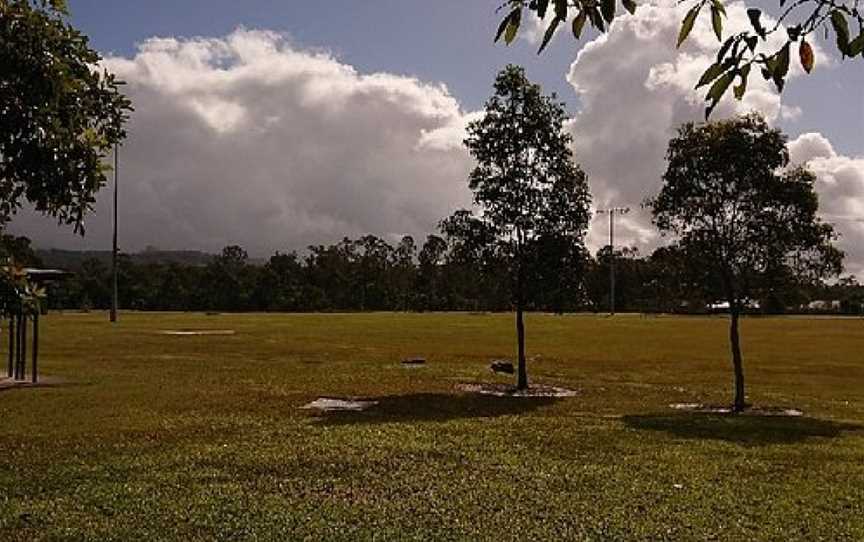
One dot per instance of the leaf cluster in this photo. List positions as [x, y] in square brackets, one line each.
[598, 14]
[737, 54]
[734, 206]
[526, 186]
[60, 114]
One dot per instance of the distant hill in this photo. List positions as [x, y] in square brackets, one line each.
[72, 259]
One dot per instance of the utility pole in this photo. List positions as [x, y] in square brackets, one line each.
[612, 211]
[114, 249]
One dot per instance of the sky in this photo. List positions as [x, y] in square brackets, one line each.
[276, 124]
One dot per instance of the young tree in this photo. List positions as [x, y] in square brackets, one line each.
[526, 186]
[740, 216]
[737, 54]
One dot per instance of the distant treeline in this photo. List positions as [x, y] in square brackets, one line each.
[370, 274]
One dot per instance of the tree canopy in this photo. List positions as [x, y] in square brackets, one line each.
[736, 54]
[741, 216]
[60, 113]
[528, 190]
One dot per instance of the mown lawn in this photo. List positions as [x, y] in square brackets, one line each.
[154, 437]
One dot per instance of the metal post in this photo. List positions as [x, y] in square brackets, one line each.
[612, 262]
[35, 375]
[114, 250]
[18, 347]
[23, 345]
[11, 344]
[612, 211]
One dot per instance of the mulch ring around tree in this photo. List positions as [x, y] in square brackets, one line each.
[195, 332]
[336, 404]
[700, 408]
[504, 390]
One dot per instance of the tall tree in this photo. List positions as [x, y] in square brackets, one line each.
[60, 113]
[430, 284]
[737, 211]
[736, 54]
[403, 273]
[229, 278]
[525, 184]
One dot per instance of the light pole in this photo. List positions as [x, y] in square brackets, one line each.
[612, 211]
[114, 248]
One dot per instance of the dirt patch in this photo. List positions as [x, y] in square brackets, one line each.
[333, 404]
[503, 390]
[726, 409]
[194, 332]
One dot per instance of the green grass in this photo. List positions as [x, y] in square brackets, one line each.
[158, 437]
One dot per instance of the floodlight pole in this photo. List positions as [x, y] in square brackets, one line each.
[612, 211]
[114, 248]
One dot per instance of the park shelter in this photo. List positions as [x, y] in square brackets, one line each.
[18, 318]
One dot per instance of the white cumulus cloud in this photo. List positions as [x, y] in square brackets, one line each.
[636, 88]
[248, 139]
[841, 192]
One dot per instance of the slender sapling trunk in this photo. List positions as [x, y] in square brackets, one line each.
[522, 383]
[735, 343]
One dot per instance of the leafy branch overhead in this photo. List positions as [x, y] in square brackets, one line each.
[61, 113]
[737, 53]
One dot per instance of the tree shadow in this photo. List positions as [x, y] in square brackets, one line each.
[752, 430]
[434, 407]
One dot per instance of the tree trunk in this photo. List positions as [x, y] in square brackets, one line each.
[520, 337]
[735, 343]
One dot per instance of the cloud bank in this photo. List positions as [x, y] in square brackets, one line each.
[636, 88]
[250, 140]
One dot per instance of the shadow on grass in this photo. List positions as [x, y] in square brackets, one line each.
[750, 430]
[7, 384]
[438, 407]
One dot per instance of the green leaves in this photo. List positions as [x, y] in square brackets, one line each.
[737, 50]
[777, 67]
[607, 8]
[741, 88]
[755, 15]
[525, 180]
[805, 54]
[856, 46]
[629, 5]
[687, 24]
[542, 6]
[724, 187]
[509, 26]
[782, 62]
[712, 73]
[550, 31]
[579, 24]
[717, 23]
[596, 19]
[717, 90]
[77, 111]
[561, 9]
[841, 29]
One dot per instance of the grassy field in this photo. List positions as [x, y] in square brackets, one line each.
[154, 437]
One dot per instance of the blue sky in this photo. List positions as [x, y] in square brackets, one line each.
[445, 41]
[442, 40]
